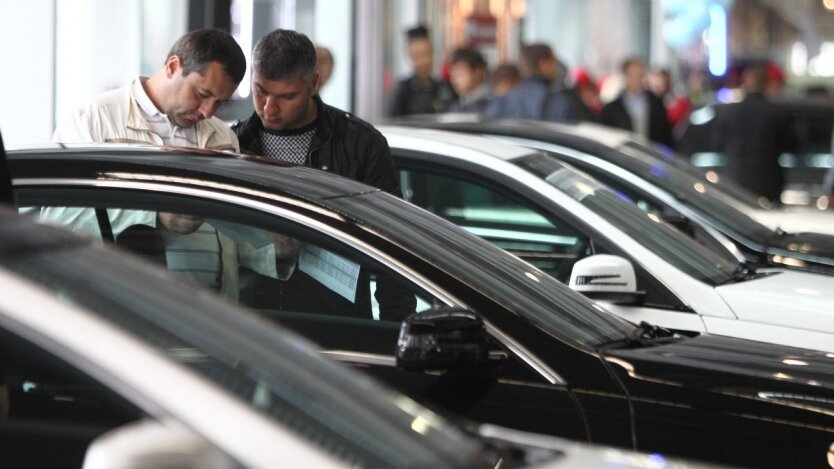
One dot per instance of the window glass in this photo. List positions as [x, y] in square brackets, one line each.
[48, 403]
[647, 229]
[264, 366]
[508, 222]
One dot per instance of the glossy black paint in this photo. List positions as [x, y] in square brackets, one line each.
[759, 243]
[710, 398]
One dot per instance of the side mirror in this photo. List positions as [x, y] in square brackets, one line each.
[442, 339]
[607, 278]
[150, 443]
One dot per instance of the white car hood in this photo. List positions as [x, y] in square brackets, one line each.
[798, 300]
[797, 220]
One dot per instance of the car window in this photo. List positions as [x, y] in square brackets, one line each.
[505, 220]
[271, 370]
[48, 403]
[286, 272]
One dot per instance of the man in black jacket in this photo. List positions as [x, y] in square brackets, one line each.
[638, 109]
[292, 123]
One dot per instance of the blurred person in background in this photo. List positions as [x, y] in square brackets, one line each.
[421, 93]
[752, 134]
[504, 79]
[588, 91]
[542, 94]
[636, 108]
[468, 76]
[324, 60]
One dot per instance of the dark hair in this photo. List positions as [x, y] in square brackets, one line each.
[417, 33]
[471, 57]
[531, 55]
[198, 48]
[505, 72]
[631, 61]
[283, 55]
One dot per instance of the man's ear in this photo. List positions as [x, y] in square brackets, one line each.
[173, 66]
[315, 83]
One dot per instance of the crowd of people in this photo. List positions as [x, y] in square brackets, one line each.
[751, 134]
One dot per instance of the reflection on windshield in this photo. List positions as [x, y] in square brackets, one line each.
[649, 230]
[715, 200]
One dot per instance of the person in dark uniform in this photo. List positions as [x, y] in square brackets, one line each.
[752, 134]
[421, 93]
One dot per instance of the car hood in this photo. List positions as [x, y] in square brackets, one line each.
[797, 220]
[801, 300]
[724, 364]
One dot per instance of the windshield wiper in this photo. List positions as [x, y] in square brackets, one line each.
[644, 334]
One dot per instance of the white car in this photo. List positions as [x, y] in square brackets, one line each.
[561, 220]
[666, 184]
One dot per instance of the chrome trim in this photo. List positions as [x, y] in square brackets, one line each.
[360, 357]
[450, 300]
[525, 355]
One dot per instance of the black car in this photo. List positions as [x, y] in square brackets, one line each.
[658, 182]
[494, 340]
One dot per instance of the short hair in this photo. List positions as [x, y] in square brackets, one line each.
[505, 72]
[285, 55]
[200, 47]
[417, 33]
[632, 61]
[531, 55]
[472, 58]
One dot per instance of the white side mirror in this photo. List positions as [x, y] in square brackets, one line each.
[606, 277]
[150, 443]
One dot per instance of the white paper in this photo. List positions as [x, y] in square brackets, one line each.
[331, 270]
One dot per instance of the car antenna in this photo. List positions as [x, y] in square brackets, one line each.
[6, 195]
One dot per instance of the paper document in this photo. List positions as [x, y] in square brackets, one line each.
[331, 270]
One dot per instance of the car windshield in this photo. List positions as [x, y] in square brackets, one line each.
[502, 277]
[710, 199]
[722, 185]
[647, 229]
[276, 372]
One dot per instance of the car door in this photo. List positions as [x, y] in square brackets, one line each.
[347, 298]
[551, 241]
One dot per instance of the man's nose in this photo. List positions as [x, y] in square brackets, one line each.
[208, 108]
[270, 106]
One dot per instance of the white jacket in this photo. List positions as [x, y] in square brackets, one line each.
[115, 117]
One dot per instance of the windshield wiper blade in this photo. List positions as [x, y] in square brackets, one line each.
[651, 331]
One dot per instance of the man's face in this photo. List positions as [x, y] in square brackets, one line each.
[284, 104]
[191, 98]
[635, 76]
[179, 223]
[464, 78]
[420, 53]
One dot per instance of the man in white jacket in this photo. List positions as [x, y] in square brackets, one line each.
[175, 106]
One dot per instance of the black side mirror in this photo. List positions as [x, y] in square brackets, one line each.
[442, 339]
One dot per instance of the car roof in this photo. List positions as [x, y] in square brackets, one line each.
[104, 161]
[450, 143]
[607, 136]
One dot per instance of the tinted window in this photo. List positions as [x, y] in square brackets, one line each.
[646, 229]
[270, 369]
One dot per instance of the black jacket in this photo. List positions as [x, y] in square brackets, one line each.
[343, 144]
[414, 96]
[752, 134]
[614, 114]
